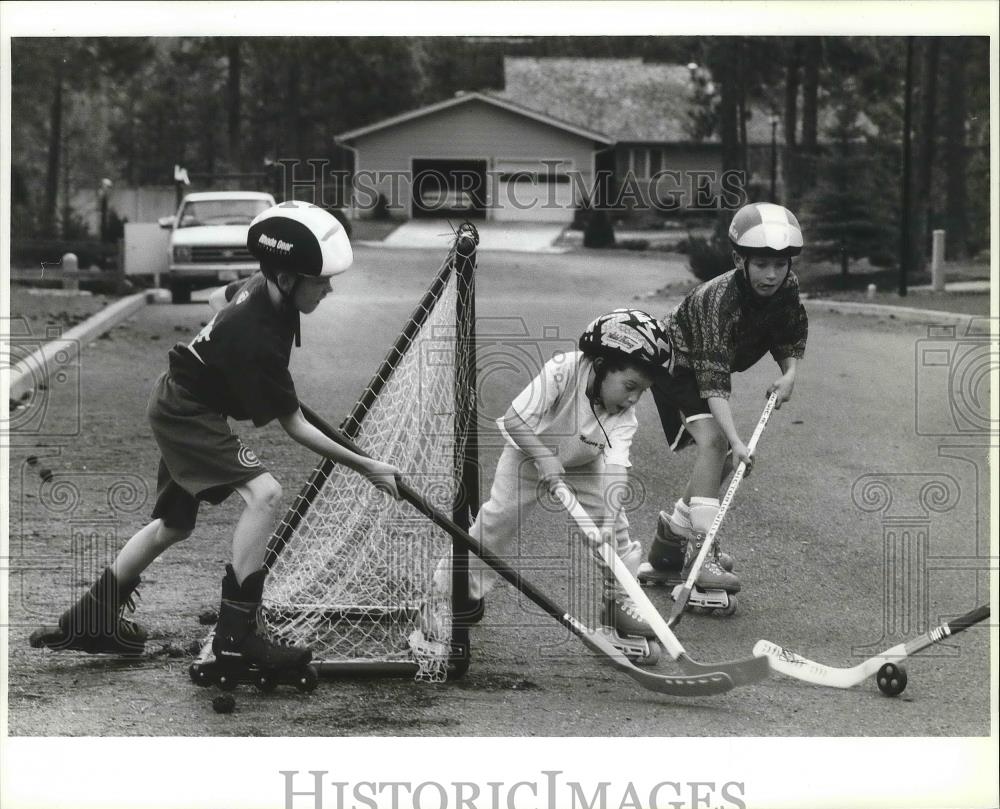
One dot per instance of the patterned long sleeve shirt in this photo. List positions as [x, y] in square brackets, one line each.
[721, 327]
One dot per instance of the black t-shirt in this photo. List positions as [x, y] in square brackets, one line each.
[238, 363]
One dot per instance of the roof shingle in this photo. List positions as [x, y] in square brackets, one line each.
[626, 99]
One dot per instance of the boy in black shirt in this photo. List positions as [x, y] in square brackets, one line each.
[236, 367]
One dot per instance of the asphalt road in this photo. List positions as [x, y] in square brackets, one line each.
[864, 523]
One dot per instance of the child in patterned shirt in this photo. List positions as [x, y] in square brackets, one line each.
[723, 326]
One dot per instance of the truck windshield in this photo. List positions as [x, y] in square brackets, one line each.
[221, 212]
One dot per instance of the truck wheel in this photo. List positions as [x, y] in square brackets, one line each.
[180, 293]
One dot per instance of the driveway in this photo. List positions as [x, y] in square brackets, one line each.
[517, 237]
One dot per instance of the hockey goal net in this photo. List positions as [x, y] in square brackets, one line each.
[351, 570]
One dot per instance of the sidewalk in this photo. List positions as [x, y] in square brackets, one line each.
[437, 234]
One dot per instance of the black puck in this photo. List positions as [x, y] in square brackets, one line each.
[224, 703]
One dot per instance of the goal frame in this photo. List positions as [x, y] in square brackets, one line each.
[462, 261]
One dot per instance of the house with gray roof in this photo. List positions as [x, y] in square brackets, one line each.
[653, 113]
[562, 133]
[477, 156]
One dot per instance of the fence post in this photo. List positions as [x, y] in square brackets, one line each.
[120, 284]
[937, 261]
[70, 272]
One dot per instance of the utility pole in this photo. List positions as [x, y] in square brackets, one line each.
[904, 235]
[774, 157]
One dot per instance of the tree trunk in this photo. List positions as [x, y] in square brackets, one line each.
[789, 154]
[926, 147]
[792, 68]
[233, 102]
[67, 209]
[294, 110]
[741, 70]
[955, 158]
[55, 148]
[810, 110]
[905, 228]
[728, 125]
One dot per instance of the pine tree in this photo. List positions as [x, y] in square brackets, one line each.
[849, 213]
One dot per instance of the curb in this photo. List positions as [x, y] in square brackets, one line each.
[62, 350]
[906, 313]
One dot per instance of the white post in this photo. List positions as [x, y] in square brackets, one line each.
[70, 272]
[937, 261]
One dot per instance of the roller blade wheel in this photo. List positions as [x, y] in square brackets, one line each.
[640, 651]
[708, 602]
[705, 601]
[227, 677]
[891, 679]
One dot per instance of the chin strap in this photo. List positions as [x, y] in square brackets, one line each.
[598, 381]
[286, 300]
[296, 315]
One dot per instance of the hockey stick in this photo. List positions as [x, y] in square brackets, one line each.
[702, 684]
[742, 672]
[793, 665]
[683, 593]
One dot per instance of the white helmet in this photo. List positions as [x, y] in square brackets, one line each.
[300, 238]
[763, 228]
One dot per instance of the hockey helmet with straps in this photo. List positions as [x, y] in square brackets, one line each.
[299, 238]
[631, 334]
[765, 229]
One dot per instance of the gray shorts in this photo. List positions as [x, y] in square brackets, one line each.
[200, 457]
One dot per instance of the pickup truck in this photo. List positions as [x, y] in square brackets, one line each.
[208, 239]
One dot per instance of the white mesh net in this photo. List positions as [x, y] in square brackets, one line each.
[353, 571]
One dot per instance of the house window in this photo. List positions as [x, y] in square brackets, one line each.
[655, 161]
[644, 161]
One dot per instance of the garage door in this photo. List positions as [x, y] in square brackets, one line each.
[449, 188]
[529, 191]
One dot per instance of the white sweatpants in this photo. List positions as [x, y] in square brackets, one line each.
[514, 496]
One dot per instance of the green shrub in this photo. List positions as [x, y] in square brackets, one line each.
[598, 231]
[380, 210]
[708, 258]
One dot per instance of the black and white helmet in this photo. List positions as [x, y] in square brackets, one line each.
[765, 229]
[629, 333]
[300, 238]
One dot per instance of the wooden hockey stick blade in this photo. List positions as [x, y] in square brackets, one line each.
[791, 664]
[700, 684]
[684, 594]
[741, 672]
